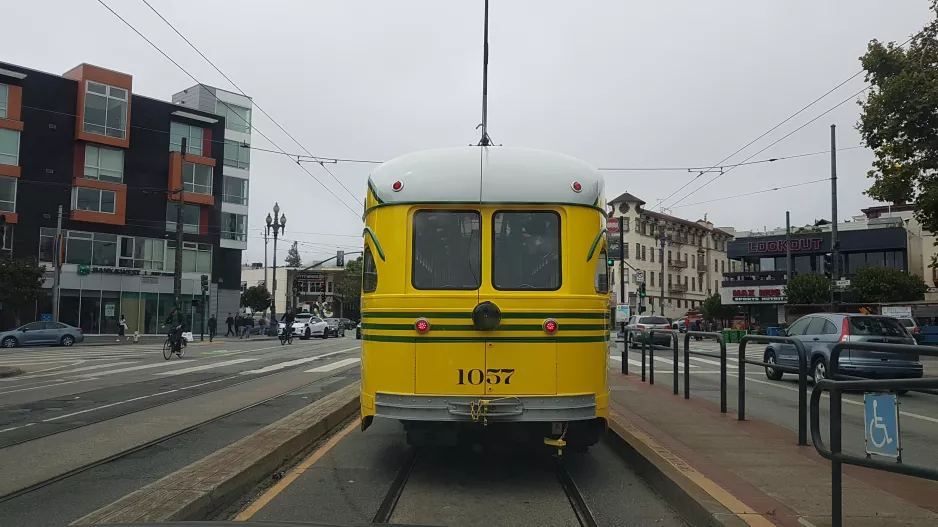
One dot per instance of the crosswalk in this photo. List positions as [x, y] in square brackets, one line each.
[696, 364]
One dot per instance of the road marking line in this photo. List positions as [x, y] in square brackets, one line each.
[209, 382]
[16, 427]
[35, 373]
[731, 502]
[135, 368]
[334, 366]
[204, 367]
[76, 370]
[107, 406]
[45, 386]
[287, 364]
[298, 471]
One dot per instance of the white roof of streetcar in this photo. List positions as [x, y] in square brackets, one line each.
[497, 174]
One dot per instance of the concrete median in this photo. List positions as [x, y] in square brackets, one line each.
[199, 490]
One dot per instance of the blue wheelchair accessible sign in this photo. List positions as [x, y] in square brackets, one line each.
[881, 429]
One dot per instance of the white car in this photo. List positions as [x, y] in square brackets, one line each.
[307, 325]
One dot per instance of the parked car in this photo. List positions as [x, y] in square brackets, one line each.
[307, 325]
[358, 331]
[41, 334]
[649, 322]
[820, 331]
[336, 327]
[348, 323]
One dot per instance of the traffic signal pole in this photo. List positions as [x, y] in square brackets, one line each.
[622, 296]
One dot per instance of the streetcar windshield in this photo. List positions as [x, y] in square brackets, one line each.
[447, 250]
[526, 250]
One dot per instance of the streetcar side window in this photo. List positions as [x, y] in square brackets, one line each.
[447, 250]
[526, 250]
[369, 272]
[601, 281]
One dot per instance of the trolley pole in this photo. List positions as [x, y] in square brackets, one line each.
[835, 243]
[789, 273]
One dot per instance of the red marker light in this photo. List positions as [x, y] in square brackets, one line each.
[422, 325]
[550, 326]
[397, 186]
[576, 186]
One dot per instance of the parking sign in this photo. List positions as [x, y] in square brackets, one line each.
[881, 424]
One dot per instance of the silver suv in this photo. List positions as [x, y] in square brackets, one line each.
[648, 322]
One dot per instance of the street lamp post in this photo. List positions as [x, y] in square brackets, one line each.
[662, 239]
[277, 223]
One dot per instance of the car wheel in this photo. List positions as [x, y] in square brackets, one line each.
[10, 342]
[67, 340]
[772, 373]
[307, 335]
[819, 369]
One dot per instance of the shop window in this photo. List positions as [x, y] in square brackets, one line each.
[104, 164]
[193, 135]
[104, 250]
[78, 247]
[196, 257]
[105, 110]
[142, 253]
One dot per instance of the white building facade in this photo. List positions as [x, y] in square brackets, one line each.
[694, 258]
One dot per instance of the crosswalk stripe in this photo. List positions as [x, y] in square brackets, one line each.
[134, 368]
[333, 366]
[202, 368]
[280, 366]
[59, 373]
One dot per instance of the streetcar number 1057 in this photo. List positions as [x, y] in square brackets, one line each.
[490, 376]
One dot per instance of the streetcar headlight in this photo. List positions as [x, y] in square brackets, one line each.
[550, 326]
[422, 325]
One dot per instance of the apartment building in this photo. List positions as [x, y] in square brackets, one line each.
[111, 159]
[694, 257]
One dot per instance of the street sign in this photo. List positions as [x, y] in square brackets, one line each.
[612, 225]
[843, 282]
[897, 311]
[881, 424]
[622, 313]
[639, 277]
[46, 317]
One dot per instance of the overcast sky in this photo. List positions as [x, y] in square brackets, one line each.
[617, 83]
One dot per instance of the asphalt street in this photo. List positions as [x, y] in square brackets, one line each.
[777, 401]
[75, 406]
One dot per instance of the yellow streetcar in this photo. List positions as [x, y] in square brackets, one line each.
[485, 304]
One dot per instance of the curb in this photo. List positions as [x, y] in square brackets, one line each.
[9, 372]
[216, 481]
[699, 501]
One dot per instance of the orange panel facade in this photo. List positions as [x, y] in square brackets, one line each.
[87, 72]
[175, 179]
[11, 217]
[14, 103]
[120, 203]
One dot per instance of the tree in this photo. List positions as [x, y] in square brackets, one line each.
[348, 289]
[713, 308]
[899, 122]
[293, 257]
[256, 297]
[885, 284]
[20, 284]
[809, 288]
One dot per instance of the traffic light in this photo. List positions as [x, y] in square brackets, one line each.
[204, 283]
[610, 262]
[641, 309]
[641, 290]
[829, 266]
[340, 258]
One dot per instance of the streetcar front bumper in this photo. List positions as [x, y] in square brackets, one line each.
[528, 408]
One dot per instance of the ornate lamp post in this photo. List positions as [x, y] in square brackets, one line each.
[277, 223]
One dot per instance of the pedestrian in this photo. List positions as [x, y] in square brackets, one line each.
[121, 328]
[212, 327]
[230, 322]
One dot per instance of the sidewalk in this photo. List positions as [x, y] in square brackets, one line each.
[750, 472]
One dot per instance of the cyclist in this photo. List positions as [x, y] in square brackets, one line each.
[177, 325]
[287, 320]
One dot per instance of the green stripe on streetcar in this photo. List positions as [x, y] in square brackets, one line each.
[560, 340]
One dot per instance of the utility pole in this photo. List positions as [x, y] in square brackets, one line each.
[57, 263]
[788, 269]
[177, 268]
[661, 241]
[622, 273]
[835, 243]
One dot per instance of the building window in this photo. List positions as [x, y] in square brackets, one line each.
[196, 257]
[237, 155]
[625, 250]
[193, 135]
[237, 118]
[669, 279]
[197, 178]
[716, 285]
[104, 249]
[329, 287]
[643, 252]
[104, 164]
[369, 272]
[105, 110]
[7, 194]
[9, 147]
[652, 278]
[236, 190]
[94, 200]
[78, 247]
[4, 100]
[669, 257]
[693, 284]
[234, 226]
[638, 252]
[652, 255]
[190, 217]
[722, 266]
[141, 253]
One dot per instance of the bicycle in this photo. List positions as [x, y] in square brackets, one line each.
[168, 347]
[286, 337]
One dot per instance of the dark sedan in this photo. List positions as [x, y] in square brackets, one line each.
[820, 331]
[336, 328]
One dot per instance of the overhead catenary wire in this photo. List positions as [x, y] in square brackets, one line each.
[254, 102]
[763, 191]
[696, 168]
[135, 30]
[789, 118]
